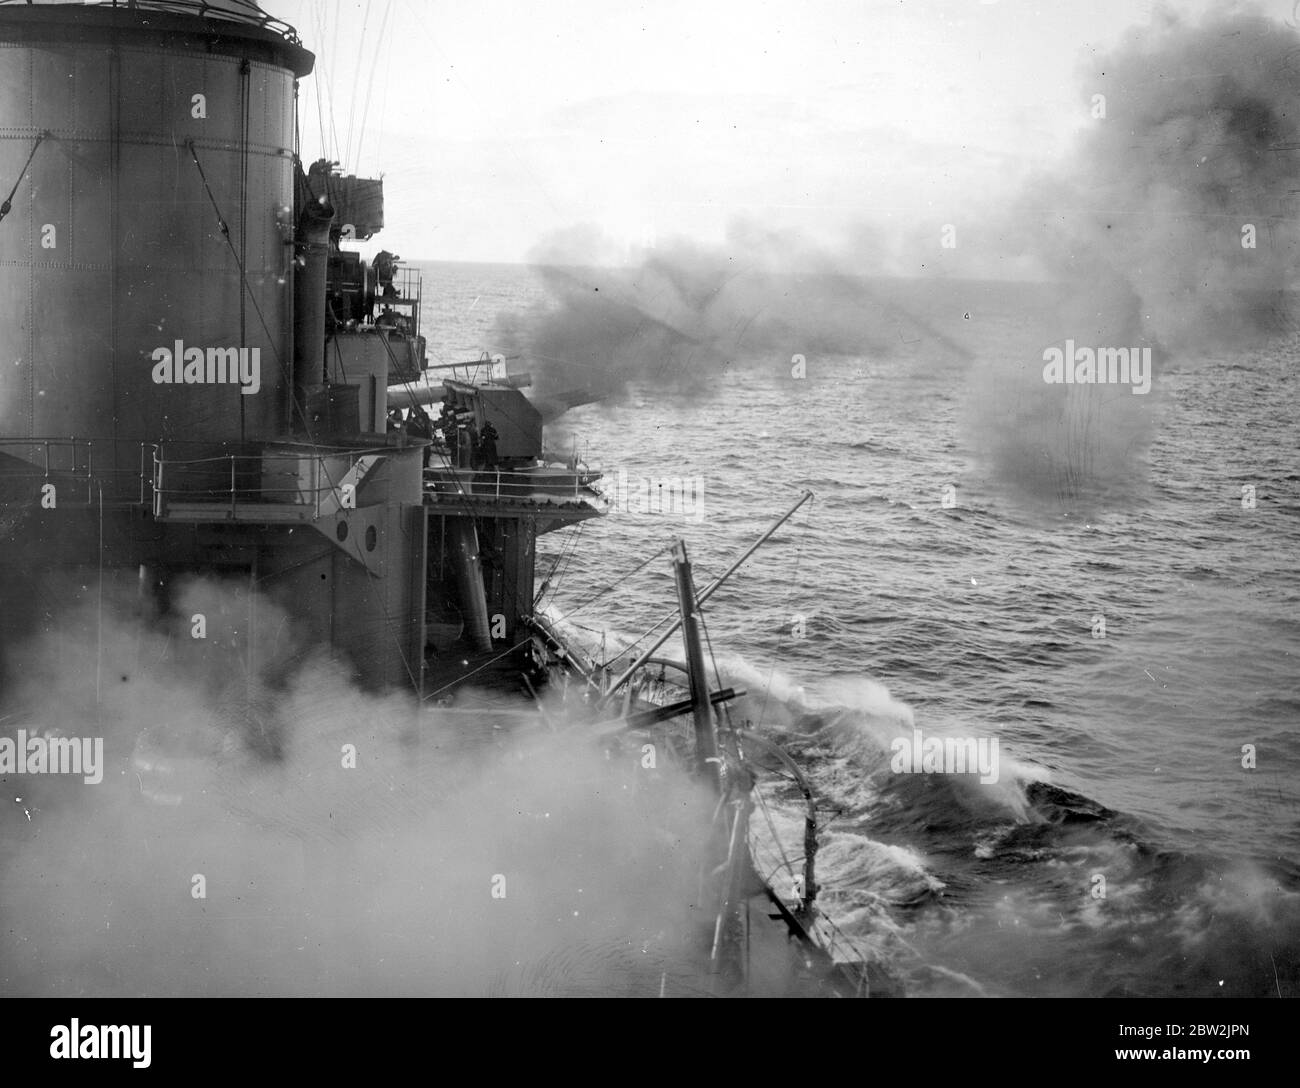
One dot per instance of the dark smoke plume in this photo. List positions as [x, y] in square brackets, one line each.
[688, 312]
[1143, 229]
[1199, 144]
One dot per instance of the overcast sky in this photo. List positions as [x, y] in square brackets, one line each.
[496, 122]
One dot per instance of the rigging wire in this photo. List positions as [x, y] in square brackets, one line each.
[786, 863]
[316, 87]
[614, 585]
[569, 542]
[285, 370]
[795, 583]
[708, 641]
[486, 664]
[671, 618]
[7, 206]
[567, 552]
[243, 275]
[356, 78]
[324, 85]
[334, 52]
[667, 619]
[374, 70]
[383, 106]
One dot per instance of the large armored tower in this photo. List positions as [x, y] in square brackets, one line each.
[152, 154]
[195, 380]
[150, 422]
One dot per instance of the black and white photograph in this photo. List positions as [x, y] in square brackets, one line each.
[610, 499]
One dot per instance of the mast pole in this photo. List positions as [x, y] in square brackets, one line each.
[706, 741]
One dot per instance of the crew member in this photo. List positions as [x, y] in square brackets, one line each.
[418, 426]
[385, 266]
[487, 445]
[465, 447]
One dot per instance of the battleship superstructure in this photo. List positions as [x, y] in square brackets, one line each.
[198, 378]
[198, 374]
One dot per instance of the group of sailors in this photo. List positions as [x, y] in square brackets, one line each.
[465, 445]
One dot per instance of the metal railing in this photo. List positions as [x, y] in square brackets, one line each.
[403, 294]
[247, 480]
[486, 368]
[238, 11]
[407, 283]
[84, 471]
[497, 486]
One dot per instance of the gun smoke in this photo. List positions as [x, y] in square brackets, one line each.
[1167, 230]
[690, 312]
[455, 858]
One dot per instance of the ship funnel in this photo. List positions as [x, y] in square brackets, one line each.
[313, 249]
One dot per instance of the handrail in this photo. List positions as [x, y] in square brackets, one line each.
[235, 11]
[75, 460]
[259, 457]
[263, 464]
[499, 485]
[810, 888]
[407, 285]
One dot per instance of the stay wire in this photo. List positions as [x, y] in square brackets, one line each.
[614, 585]
[795, 583]
[8, 204]
[248, 288]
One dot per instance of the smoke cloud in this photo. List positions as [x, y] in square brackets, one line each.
[1167, 230]
[1175, 206]
[458, 856]
[689, 312]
